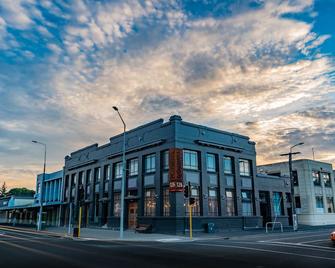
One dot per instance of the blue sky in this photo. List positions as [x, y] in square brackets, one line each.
[259, 68]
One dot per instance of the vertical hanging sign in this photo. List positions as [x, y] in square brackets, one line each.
[176, 170]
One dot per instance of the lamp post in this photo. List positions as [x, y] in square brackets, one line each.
[39, 224]
[294, 214]
[123, 172]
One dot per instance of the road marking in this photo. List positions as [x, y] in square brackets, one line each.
[268, 250]
[169, 240]
[321, 248]
[291, 237]
[313, 241]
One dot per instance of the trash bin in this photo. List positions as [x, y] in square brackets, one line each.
[210, 227]
[75, 232]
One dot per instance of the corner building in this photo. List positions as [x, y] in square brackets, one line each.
[220, 166]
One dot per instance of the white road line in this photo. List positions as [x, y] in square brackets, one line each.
[321, 248]
[292, 237]
[313, 241]
[270, 251]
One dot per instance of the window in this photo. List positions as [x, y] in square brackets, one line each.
[297, 202]
[118, 170]
[326, 179]
[319, 204]
[295, 178]
[316, 178]
[88, 177]
[80, 180]
[97, 175]
[246, 203]
[213, 208]
[278, 204]
[228, 165]
[330, 204]
[150, 203]
[150, 163]
[106, 178]
[244, 167]
[117, 204]
[166, 202]
[195, 193]
[166, 160]
[211, 163]
[230, 202]
[190, 159]
[133, 167]
[88, 182]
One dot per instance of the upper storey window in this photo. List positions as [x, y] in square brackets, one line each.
[190, 160]
[244, 167]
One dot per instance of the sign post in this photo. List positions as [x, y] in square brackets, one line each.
[176, 170]
[190, 213]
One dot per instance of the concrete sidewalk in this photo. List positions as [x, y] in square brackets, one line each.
[109, 235]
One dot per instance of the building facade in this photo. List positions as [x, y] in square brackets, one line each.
[274, 197]
[314, 189]
[220, 166]
[52, 196]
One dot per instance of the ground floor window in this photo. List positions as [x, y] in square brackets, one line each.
[230, 202]
[246, 203]
[330, 205]
[319, 204]
[150, 202]
[117, 204]
[213, 207]
[278, 203]
[166, 202]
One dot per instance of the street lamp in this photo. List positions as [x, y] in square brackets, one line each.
[294, 214]
[123, 172]
[39, 224]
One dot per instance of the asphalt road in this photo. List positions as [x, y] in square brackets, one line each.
[301, 249]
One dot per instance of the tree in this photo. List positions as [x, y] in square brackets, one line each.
[3, 190]
[21, 192]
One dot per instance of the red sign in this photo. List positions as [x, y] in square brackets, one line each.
[176, 170]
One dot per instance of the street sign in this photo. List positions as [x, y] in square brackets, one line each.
[176, 170]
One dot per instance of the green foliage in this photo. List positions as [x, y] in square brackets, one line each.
[21, 192]
[3, 190]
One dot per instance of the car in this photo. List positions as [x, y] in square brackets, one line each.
[332, 236]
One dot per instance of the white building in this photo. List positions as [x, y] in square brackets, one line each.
[314, 189]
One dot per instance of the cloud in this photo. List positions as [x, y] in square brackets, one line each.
[16, 13]
[251, 68]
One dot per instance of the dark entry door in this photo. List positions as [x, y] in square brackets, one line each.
[265, 206]
[132, 215]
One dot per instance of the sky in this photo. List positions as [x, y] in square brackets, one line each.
[264, 69]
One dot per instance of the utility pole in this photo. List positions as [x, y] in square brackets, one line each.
[123, 182]
[39, 224]
[294, 214]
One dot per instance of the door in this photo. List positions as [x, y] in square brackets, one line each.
[132, 215]
[265, 206]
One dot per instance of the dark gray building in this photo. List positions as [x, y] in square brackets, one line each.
[274, 198]
[220, 166]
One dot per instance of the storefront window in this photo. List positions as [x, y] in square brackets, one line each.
[166, 201]
[246, 203]
[150, 203]
[230, 202]
[213, 208]
[117, 204]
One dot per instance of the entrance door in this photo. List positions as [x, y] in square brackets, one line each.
[265, 206]
[132, 215]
